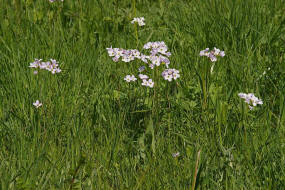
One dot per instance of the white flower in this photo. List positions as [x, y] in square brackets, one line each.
[169, 74]
[148, 83]
[176, 154]
[36, 63]
[51, 65]
[111, 51]
[126, 59]
[147, 45]
[143, 77]
[155, 60]
[250, 99]
[136, 53]
[54, 1]
[140, 21]
[216, 51]
[144, 83]
[37, 104]
[130, 78]
[222, 54]
[151, 66]
[212, 54]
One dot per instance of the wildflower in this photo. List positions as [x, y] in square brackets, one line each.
[176, 154]
[159, 55]
[126, 59]
[169, 74]
[140, 21]
[250, 99]
[111, 51]
[55, 70]
[164, 60]
[36, 63]
[212, 54]
[51, 65]
[127, 55]
[148, 83]
[54, 1]
[130, 78]
[37, 104]
[147, 45]
[141, 69]
[144, 58]
[136, 53]
[43, 65]
[36, 72]
[157, 47]
[143, 77]
[155, 60]
[151, 66]
[116, 58]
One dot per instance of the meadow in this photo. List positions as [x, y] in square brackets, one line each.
[91, 129]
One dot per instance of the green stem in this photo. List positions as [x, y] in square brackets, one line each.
[135, 24]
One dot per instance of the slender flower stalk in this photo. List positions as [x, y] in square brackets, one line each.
[207, 70]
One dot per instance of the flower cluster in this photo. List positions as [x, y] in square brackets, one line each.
[140, 21]
[169, 74]
[148, 83]
[55, 0]
[158, 56]
[126, 55]
[158, 53]
[130, 78]
[212, 54]
[51, 65]
[250, 99]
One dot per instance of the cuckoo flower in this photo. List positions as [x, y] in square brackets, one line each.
[212, 54]
[250, 99]
[140, 21]
[130, 78]
[37, 104]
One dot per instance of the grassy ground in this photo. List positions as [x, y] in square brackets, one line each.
[95, 131]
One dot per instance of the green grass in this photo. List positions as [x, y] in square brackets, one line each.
[94, 131]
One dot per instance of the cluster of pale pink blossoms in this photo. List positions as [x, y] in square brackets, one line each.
[130, 78]
[55, 0]
[159, 55]
[250, 99]
[140, 21]
[170, 74]
[212, 54]
[51, 66]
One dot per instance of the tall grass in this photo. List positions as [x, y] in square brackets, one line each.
[94, 131]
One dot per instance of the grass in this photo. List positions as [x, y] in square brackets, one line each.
[94, 131]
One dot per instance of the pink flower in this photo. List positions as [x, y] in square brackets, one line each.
[37, 104]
